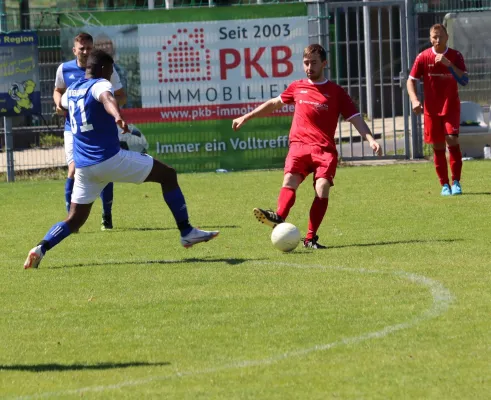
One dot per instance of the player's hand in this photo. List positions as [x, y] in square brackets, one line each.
[123, 125]
[376, 147]
[417, 107]
[238, 122]
[441, 58]
[61, 111]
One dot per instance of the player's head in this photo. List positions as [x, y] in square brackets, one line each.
[105, 43]
[82, 46]
[314, 62]
[438, 37]
[99, 65]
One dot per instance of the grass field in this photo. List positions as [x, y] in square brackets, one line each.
[397, 308]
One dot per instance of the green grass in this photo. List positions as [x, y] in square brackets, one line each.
[397, 308]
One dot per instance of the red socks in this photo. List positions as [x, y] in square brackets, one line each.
[455, 162]
[440, 161]
[317, 212]
[286, 200]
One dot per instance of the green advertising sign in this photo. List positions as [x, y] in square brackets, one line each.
[189, 74]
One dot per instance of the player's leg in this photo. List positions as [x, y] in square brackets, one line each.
[68, 143]
[326, 163]
[107, 196]
[434, 134]
[452, 125]
[84, 194]
[296, 168]
[286, 200]
[133, 167]
[174, 198]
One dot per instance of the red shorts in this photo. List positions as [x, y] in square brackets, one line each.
[438, 126]
[304, 159]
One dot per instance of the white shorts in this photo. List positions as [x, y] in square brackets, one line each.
[126, 167]
[68, 140]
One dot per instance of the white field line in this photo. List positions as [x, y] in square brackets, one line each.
[441, 300]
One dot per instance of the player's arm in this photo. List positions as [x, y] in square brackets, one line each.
[413, 95]
[111, 106]
[260, 111]
[364, 131]
[417, 71]
[57, 94]
[102, 91]
[60, 88]
[459, 74]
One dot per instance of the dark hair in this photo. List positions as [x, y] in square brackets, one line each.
[96, 60]
[83, 37]
[439, 27]
[315, 49]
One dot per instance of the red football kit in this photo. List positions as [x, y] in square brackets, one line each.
[441, 95]
[317, 110]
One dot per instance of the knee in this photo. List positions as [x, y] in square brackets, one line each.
[292, 181]
[169, 178]
[75, 222]
[322, 189]
[170, 175]
[452, 141]
[71, 170]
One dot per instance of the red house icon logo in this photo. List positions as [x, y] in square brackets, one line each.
[184, 58]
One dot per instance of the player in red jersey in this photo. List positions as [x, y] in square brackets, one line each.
[318, 105]
[441, 69]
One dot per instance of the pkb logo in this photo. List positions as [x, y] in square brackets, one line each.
[184, 58]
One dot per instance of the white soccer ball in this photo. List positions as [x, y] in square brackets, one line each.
[133, 141]
[285, 237]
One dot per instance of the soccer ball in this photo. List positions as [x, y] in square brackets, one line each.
[285, 237]
[133, 141]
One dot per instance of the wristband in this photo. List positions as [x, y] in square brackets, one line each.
[464, 80]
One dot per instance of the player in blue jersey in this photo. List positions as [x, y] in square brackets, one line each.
[94, 119]
[66, 74]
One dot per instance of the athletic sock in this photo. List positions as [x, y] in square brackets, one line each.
[107, 196]
[286, 200]
[440, 161]
[455, 162]
[177, 205]
[55, 235]
[68, 192]
[317, 212]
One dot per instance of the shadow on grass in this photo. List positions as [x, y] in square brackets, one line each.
[78, 367]
[392, 242]
[476, 193]
[229, 261]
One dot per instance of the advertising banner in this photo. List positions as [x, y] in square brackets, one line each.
[19, 74]
[187, 81]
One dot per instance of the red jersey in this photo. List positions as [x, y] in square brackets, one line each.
[317, 110]
[440, 87]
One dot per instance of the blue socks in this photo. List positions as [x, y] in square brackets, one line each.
[177, 204]
[107, 196]
[55, 235]
[68, 192]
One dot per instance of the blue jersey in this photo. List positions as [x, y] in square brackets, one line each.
[94, 130]
[71, 74]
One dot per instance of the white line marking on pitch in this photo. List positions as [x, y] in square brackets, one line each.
[441, 296]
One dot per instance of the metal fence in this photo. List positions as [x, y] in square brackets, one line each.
[369, 54]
